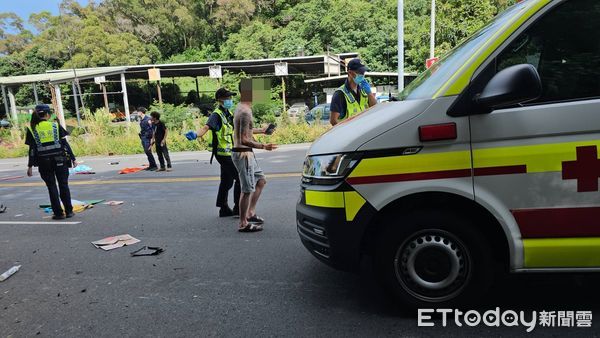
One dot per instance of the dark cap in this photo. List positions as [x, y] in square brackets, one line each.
[223, 93]
[142, 110]
[356, 65]
[42, 108]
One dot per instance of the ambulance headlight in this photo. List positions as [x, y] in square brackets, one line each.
[329, 167]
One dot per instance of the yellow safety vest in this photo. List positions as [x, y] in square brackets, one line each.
[353, 106]
[224, 137]
[47, 139]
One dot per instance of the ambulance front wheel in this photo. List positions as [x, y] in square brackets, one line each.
[434, 258]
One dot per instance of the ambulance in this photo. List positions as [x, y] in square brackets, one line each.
[488, 164]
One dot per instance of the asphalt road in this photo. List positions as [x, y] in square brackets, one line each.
[211, 280]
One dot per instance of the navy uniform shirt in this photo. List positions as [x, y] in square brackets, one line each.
[146, 130]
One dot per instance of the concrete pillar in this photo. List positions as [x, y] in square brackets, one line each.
[60, 113]
[76, 105]
[125, 98]
[13, 105]
[5, 99]
[35, 94]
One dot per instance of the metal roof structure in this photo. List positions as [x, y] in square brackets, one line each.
[62, 76]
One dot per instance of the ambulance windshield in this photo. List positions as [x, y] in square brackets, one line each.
[428, 83]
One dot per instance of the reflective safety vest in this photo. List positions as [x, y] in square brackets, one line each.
[221, 141]
[353, 106]
[47, 139]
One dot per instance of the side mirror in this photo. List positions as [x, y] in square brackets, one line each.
[513, 85]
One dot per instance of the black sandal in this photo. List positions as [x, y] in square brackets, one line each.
[256, 220]
[251, 227]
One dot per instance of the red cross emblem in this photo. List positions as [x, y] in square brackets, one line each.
[586, 170]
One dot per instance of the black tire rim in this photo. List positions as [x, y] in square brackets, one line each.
[433, 265]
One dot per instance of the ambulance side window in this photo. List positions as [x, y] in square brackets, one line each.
[564, 47]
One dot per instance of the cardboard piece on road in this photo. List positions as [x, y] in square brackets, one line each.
[147, 251]
[113, 203]
[9, 273]
[115, 242]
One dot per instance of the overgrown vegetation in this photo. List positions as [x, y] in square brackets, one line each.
[100, 136]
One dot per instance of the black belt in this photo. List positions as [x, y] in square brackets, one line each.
[242, 150]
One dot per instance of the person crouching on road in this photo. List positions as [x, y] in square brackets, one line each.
[146, 135]
[52, 154]
[354, 96]
[160, 139]
[252, 177]
[220, 124]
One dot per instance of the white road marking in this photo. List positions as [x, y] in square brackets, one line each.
[37, 223]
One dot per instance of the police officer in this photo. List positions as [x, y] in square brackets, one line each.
[52, 154]
[354, 96]
[220, 124]
[146, 135]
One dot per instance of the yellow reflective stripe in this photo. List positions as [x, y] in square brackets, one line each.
[537, 158]
[462, 77]
[354, 201]
[351, 201]
[413, 164]
[324, 199]
[562, 252]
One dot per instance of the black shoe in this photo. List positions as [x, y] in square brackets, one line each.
[151, 168]
[225, 212]
[69, 214]
[58, 216]
[236, 210]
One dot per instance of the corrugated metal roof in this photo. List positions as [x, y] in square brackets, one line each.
[62, 76]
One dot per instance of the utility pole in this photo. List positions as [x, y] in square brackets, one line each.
[400, 46]
[432, 39]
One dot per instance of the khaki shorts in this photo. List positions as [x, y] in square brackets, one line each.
[250, 172]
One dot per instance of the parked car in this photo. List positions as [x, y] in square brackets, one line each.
[297, 110]
[321, 111]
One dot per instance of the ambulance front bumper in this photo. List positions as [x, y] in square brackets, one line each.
[332, 225]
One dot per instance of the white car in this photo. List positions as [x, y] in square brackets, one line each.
[297, 110]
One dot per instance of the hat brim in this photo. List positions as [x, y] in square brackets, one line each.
[227, 94]
[362, 70]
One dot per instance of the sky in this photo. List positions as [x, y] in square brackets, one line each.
[24, 8]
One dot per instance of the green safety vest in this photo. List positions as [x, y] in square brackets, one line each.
[221, 141]
[354, 107]
[47, 139]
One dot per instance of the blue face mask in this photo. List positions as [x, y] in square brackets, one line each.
[359, 78]
[227, 104]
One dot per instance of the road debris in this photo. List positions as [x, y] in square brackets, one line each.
[2, 209]
[148, 251]
[82, 170]
[130, 170]
[113, 203]
[113, 163]
[115, 242]
[9, 273]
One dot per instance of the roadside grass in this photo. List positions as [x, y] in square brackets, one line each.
[100, 136]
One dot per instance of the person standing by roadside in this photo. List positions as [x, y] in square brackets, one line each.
[252, 178]
[146, 135]
[220, 124]
[160, 139]
[52, 154]
[354, 96]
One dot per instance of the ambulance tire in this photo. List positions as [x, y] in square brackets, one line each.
[434, 259]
